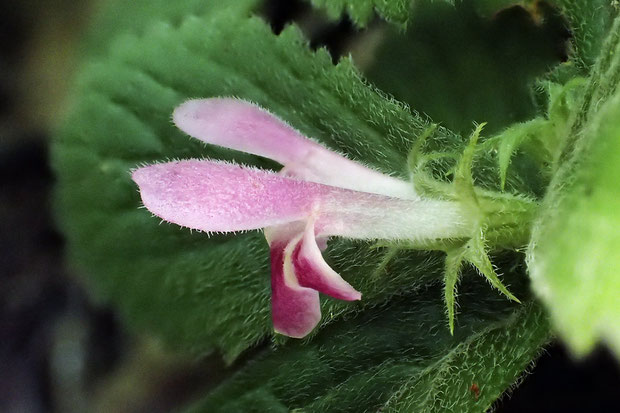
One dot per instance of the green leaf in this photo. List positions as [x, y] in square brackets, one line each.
[573, 256]
[136, 16]
[601, 84]
[590, 22]
[361, 11]
[459, 67]
[195, 291]
[396, 11]
[490, 7]
[395, 359]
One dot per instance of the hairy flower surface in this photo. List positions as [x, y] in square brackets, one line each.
[318, 194]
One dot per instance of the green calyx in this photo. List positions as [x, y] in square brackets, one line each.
[499, 220]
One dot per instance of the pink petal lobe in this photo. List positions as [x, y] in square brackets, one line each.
[243, 126]
[216, 196]
[295, 310]
[313, 272]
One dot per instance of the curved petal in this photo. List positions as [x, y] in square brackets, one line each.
[245, 127]
[217, 196]
[295, 310]
[313, 272]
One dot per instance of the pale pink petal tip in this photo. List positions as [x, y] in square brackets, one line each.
[241, 125]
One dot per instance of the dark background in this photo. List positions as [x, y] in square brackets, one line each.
[60, 351]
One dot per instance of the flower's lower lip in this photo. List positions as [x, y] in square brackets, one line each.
[312, 271]
[295, 310]
[222, 197]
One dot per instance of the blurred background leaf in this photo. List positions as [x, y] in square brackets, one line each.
[573, 256]
[459, 67]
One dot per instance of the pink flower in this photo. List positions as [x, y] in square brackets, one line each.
[318, 194]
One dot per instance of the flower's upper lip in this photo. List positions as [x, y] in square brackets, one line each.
[240, 125]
